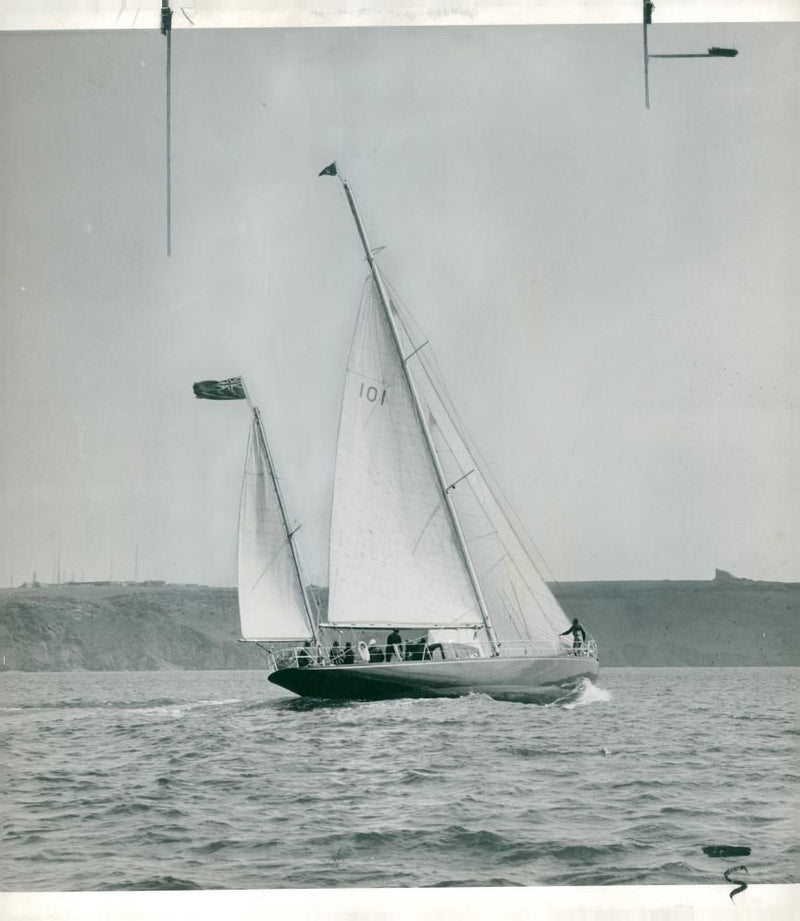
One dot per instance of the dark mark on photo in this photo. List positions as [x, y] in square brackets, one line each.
[725, 850]
[742, 884]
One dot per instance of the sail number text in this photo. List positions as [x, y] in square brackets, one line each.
[372, 394]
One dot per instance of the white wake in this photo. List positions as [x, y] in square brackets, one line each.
[588, 693]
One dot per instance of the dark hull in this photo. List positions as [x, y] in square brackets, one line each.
[523, 679]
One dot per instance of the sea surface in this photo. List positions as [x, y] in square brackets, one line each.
[162, 780]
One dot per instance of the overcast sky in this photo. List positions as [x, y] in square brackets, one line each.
[611, 292]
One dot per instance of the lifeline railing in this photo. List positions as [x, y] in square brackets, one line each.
[359, 654]
[368, 654]
[588, 649]
[413, 651]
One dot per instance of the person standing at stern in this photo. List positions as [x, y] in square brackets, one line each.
[578, 635]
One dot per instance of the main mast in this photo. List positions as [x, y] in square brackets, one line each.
[384, 299]
[298, 569]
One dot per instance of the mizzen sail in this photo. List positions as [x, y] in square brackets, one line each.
[272, 606]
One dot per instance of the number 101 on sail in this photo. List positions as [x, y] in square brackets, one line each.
[371, 393]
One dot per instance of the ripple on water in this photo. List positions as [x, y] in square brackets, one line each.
[253, 789]
[154, 883]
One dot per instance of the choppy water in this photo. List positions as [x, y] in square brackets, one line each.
[219, 780]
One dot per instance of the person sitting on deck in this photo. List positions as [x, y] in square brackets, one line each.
[304, 656]
[336, 653]
[348, 656]
[578, 636]
[375, 654]
[416, 650]
[394, 644]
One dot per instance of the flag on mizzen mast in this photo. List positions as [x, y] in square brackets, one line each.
[231, 389]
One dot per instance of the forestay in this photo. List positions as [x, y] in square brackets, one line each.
[520, 603]
[394, 556]
[271, 603]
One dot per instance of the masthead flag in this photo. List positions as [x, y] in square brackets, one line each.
[231, 389]
[330, 170]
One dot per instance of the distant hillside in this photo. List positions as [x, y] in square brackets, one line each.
[727, 621]
[122, 628]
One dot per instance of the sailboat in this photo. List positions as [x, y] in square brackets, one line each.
[422, 544]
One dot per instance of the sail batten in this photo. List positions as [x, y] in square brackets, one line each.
[272, 602]
[401, 625]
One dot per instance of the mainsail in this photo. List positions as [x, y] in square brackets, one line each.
[394, 555]
[272, 606]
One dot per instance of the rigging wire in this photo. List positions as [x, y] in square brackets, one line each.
[430, 361]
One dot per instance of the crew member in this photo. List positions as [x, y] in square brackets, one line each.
[394, 640]
[304, 656]
[578, 635]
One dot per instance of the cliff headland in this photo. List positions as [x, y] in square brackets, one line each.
[152, 626]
